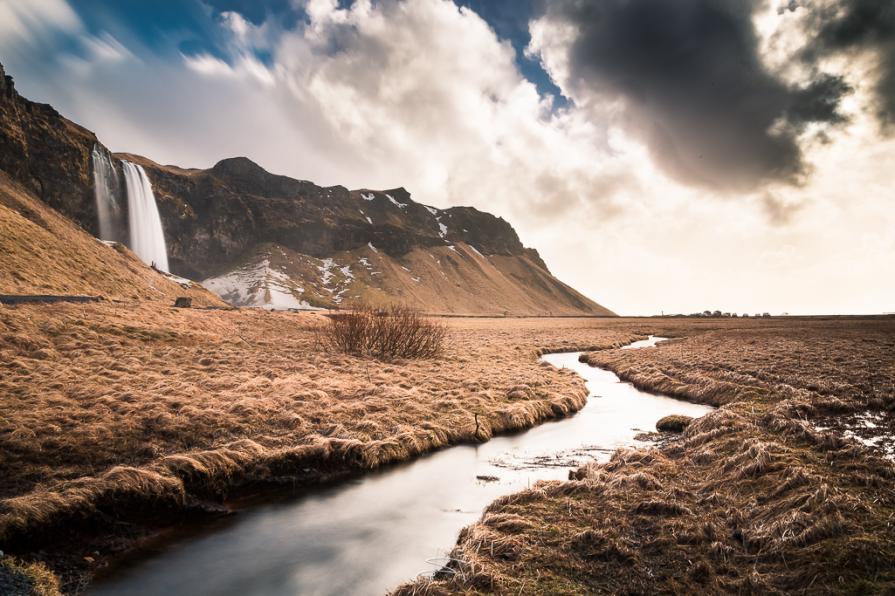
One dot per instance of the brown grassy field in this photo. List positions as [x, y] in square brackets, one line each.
[117, 419]
[765, 495]
[117, 413]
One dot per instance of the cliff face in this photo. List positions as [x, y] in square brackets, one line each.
[214, 216]
[266, 240]
[46, 153]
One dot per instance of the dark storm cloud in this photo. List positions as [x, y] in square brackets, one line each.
[818, 101]
[857, 26]
[695, 87]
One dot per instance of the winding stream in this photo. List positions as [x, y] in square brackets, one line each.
[368, 535]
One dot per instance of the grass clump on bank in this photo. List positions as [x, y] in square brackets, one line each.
[385, 333]
[26, 579]
[673, 423]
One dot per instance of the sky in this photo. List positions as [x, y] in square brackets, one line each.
[662, 156]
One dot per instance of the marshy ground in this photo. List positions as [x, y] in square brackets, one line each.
[768, 494]
[117, 419]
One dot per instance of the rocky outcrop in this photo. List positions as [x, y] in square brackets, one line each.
[213, 217]
[48, 154]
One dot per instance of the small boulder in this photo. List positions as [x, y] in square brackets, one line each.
[673, 423]
[183, 302]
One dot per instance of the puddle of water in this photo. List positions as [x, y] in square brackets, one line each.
[370, 534]
[875, 430]
[644, 343]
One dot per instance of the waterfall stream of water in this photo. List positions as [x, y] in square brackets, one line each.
[147, 239]
[105, 188]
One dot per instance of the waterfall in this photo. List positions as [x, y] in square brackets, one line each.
[146, 237]
[105, 187]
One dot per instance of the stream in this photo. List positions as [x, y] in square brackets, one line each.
[369, 534]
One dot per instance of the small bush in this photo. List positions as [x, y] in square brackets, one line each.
[385, 333]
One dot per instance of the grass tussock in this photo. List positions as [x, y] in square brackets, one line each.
[673, 423]
[385, 333]
[18, 578]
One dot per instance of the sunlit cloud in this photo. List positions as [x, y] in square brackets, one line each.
[425, 95]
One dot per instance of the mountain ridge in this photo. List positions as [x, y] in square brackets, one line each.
[231, 223]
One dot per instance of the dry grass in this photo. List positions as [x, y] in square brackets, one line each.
[673, 423]
[753, 498]
[113, 412]
[835, 361]
[26, 579]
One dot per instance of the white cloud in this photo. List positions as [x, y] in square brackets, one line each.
[105, 48]
[31, 21]
[428, 91]
[246, 39]
[31, 30]
[421, 94]
[206, 64]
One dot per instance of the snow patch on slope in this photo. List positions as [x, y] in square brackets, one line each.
[330, 283]
[258, 286]
[442, 229]
[326, 272]
[395, 202]
[182, 281]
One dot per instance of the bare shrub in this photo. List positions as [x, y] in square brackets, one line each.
[385, 333]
